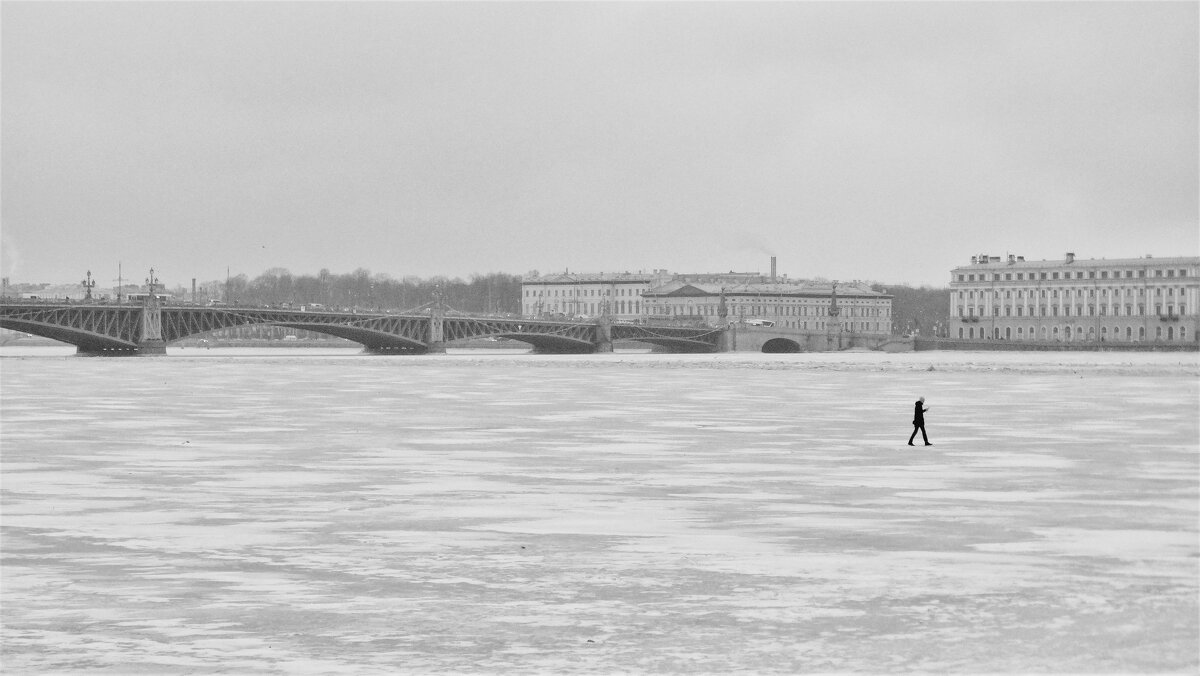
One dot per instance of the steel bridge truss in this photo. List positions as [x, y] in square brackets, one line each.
[384, 333]
[559, 337]
[102, 328]
[675, 338]
[91, 328]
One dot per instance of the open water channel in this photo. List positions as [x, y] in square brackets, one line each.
[298, 511]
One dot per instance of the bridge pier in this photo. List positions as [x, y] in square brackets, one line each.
[151, 348]
[604, 342]
[81, 351]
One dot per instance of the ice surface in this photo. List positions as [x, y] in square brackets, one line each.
[320, 511]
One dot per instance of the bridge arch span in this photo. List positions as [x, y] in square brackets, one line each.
[83, 340]
[780, 346]
[551, 344]
[109, 331]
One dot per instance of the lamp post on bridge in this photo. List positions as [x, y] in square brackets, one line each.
[88, 284]
[604, 329]
[437, 319]
[151, 341]
[835, 327]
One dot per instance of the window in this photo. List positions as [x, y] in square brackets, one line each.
[1052, 276]
[1008, 276]
[1044, 276]
[960, 277]
[1091, 274]
[1103, 274]
[1020, 276]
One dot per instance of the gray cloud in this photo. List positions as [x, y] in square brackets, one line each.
[852, 140]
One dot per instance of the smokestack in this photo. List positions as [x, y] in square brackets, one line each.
[193, 289]
[772, 269]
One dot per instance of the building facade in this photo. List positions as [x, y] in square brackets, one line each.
[580, 296]
[1070, 300]
[750, 298]
[807, 306]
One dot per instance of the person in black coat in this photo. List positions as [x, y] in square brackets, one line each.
[919, 422]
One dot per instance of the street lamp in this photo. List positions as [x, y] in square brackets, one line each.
[88, 285]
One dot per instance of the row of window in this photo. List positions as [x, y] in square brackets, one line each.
[1078, 333]
[620, 307]
[1065, 310]
[1091, 293]
[555, 293]
[1074, 274]
[772, 310]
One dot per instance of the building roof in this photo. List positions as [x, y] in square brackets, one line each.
[1020, 263]
[597, 277]
[806, 288]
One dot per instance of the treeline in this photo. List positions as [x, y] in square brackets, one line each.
[492, 293]
[923, 310]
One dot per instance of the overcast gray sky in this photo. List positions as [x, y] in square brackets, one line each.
[870, 141]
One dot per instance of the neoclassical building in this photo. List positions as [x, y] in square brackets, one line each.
[580, 295]
[850, 307]
[750, 298]
[1095, 300]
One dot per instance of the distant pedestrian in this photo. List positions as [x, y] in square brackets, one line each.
[919, 422]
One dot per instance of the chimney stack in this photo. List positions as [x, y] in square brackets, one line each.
[772, 269]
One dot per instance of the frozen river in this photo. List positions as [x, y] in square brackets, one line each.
[300, 511]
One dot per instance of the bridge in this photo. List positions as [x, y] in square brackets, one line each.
[131, 329]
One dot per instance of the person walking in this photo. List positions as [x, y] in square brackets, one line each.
[919, 422]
